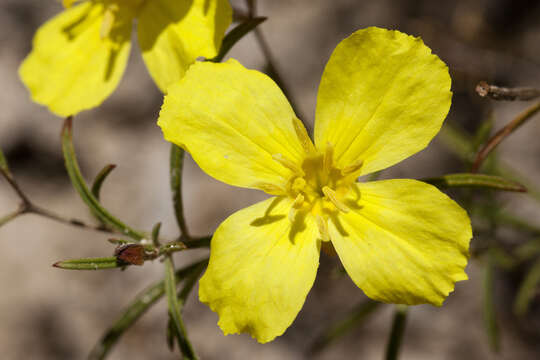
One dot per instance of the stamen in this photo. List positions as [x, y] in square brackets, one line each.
[332, 196]
[354, 167]
[303, 136]
[297, 204]
[268, 188]
[298, 184]
[289, 164]
[108, 21]
[328, 158]
[323, 228]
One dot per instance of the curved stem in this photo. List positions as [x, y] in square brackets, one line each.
[496, 139]
[397, 332]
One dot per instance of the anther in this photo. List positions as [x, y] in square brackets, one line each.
[109, 18]
[268, 188]
[288, 164]
[354, 167]
[332, 196]
[322, 225]
[298, 184]
[303, 136]
[297, 204]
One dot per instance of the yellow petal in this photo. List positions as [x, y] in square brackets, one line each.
[261, 269]
[383, 97]
[403, 241]
[172, 34]
[233, 121]
[71, 68]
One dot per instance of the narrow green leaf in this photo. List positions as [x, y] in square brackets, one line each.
[490, 316]
[476, 180]
[90, 264]
[3, 164]
[343, 326]
[80, 185]
[100, 178]
[136, 309]
[176, 166]
[397, 332]
[527, 290]
[175, 311]
[235, 35]
[190, 282]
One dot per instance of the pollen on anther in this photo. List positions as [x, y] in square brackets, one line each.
[297, 204]
[107, 24]
[289, 164]
[332, 196]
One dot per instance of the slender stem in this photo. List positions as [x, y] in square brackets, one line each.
[502, 134]
[11, 181]
[484, 89]
[34, 209]
[176, 170]
[397, 332]
[252, 8]
[490, 317]
[175, 310]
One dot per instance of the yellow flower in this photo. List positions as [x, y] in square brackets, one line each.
[79, 56]
[383, 97]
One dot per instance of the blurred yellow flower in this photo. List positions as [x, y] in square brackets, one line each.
[383, 97]
[79, 56]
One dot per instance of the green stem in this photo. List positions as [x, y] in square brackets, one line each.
[397, 332]
[136, 309]
[490, 317]
[496, 139]
[79, 184]
[175, 311]
[176, 169]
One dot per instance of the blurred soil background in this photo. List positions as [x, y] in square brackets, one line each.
[47, 313]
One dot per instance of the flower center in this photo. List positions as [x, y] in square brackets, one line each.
[319, 187]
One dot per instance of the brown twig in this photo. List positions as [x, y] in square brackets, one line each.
[27, 207]
[503, 93]
[502, 134]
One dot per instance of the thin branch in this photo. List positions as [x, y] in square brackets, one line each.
[484, 89]
[11, 181]
[496, 139]
[37, 210]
